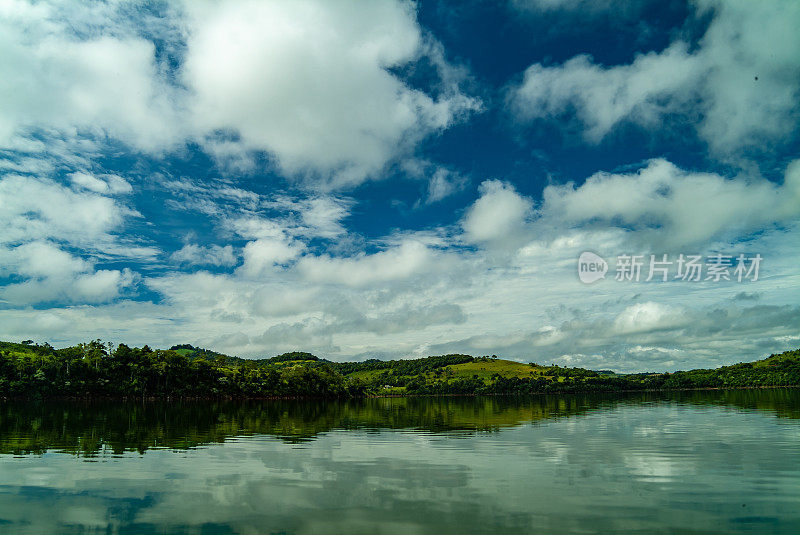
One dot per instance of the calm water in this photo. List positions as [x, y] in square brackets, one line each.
[712, 462]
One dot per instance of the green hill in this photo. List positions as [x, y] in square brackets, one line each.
[96, 369]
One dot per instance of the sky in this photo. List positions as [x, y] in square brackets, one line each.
[394, 180]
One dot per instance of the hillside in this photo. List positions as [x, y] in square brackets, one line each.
[96, 369]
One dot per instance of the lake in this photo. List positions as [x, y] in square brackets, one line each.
[691, 462]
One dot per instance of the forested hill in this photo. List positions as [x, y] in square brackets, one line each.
[96, 369]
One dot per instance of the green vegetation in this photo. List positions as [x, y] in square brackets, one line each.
[96, 369]
[99, 370]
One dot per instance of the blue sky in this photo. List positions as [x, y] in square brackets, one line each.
[396, 179]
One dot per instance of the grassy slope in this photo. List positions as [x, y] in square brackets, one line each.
[773, 360]
[484, 370]
[22, 351]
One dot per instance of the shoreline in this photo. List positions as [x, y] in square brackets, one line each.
[387, 396]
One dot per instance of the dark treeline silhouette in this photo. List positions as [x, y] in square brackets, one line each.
[96, 369]
[405, 366]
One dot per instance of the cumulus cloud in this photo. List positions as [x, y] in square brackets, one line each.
[315, 85]
[43, 224]
[403, 261]
[319, 332]
[52, 274]
[249, 215]
[442, 181]
[416, 293]
[102, 285]
[498, 213]
[328, 92]
[649, 336]
[42, 259]
[68, 67]
[643, 91]
[315, 216]
[647, 317]
[37, 208]
[740, 86]
[262, 255]
[310, 82]
[111, 184]
[324, 216]
[254, 315]
[313, 333]
[197, 255]
[424, 292]
[672, 207]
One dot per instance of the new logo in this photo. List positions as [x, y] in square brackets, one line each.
[591, 267]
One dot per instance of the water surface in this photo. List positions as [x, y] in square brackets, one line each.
[709, 462]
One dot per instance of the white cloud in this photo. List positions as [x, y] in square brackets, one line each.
[25, 164]
[197, 255]
[646, 317]
[323, 215]
[672, 207]
[262, 255]
[244, 213]
[642, 91]
[314, 216]
[319, 332]
[111, 184]
[416, 292]
[442, 181]
[42, 259]
[497, 214]
[90, 182]
[42, 221]
[621, 10]
[102, 285]
[740, 87]
[420, 299]
[404, 261]
[53, 274]
[104, 83]
[309, 82]
[35, 208]
[284, 337]
[647, 336]
[343, 114]
[255, 227]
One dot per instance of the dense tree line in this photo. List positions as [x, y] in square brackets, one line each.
[776, 370]
[404, 366]
[193, 352]
[102, 370]
[99, 370]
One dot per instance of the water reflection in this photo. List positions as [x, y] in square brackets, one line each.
[87, 428]
[711, 462]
